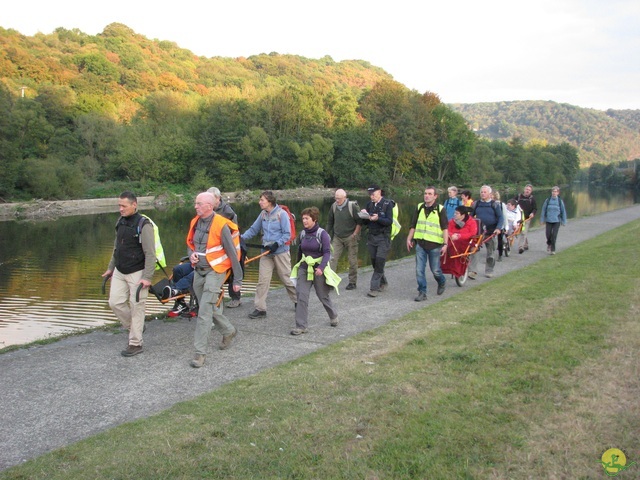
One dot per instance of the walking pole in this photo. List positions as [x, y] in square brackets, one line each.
[248, 260]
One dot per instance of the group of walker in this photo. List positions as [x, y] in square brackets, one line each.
[215, 255]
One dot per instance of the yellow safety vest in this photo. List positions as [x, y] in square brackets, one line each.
[428, 228]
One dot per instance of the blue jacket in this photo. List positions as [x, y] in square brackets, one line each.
[553, 211]
[274, 227]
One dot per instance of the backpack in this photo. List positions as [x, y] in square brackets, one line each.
[354, 213]
[161, 262]
[318, 238]
[292, 224]
[474, 207]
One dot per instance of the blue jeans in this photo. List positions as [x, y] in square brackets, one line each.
[434, 264]
[183, 276]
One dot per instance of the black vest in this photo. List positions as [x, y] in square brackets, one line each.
[129, 255]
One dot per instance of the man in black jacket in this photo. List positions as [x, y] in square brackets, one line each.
[378, 216]
[528, 205]
[132, 264]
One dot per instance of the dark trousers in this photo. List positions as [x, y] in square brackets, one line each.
[552, 230]
[378, 246]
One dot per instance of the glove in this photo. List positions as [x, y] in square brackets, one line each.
[273, 247]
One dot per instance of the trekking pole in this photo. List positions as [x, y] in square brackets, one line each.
[248, 260]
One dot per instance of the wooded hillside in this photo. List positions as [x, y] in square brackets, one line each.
[86, 115]
[603, 137]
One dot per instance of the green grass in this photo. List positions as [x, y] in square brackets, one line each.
[531, 375]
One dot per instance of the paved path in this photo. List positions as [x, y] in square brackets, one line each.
[56, 394]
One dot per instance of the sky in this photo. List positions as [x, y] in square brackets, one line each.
[580, 52]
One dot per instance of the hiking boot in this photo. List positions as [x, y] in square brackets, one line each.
[258, 314]
[548, 248]
[488, 274]
[521, 250]
[383, 286]
[351, 286]
[373, 293]
[233, 304]
[298, 331]
[226, 340]
[526, 246]
[472, 275]
[178, 309]
[422, 297]
[441, 288]
[333, 322]
[500, 258]
[552, 252]
[198, 360]
[131, 350]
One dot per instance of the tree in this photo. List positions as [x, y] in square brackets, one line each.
[454, 143]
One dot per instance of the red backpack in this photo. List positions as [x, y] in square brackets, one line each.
[292, 226]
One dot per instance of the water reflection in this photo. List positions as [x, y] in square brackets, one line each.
[50, 271]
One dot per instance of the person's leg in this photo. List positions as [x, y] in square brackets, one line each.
[491, 255]
[185, 280]
[522, 238]
[352, 247]
[303, 288]
[137, 308]
[119, 298]
[372, 246]
[265, 271]
[434, 265]
[338, 245]
[205, 314]
[384, 248]
[283, 267]
[547, 233]
[213, 283]
[322, 292]
[421, 265]
[555, 228]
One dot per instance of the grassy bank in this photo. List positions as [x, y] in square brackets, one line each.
[532, 375]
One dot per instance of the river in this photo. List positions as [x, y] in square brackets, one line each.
[50, 271]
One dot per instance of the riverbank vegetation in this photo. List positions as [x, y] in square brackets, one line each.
[534, 384]
[81, 115]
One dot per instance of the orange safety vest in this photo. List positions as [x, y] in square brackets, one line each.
[215, 253]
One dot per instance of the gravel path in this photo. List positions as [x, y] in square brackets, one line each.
[59, 393]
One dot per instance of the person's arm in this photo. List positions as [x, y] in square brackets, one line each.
[232, 253]
[149, 249]
[412, 229]
[444, 226]
[500, 218]
[534, 207]
[326, 253]
[254, 229]
[330, 221]
[542, 215]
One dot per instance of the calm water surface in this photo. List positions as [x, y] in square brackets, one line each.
[50, 271]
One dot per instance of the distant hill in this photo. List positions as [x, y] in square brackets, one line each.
[602, 137]
[111, 71]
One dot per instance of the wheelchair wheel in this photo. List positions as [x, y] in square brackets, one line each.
[460, 281]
